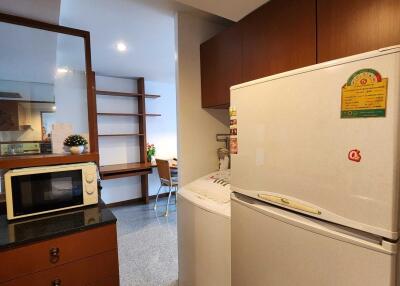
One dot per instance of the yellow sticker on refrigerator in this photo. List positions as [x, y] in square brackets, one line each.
[364, 95]
[233, 144]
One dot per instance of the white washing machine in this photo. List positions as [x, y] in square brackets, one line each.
[204, 232]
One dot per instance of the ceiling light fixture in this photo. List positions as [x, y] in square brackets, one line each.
[121, 47]
[62, 70]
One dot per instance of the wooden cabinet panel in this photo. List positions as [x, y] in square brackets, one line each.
[221, 67]
[54, 252]
[351, 27]
[9, 115]
[279, 36]
[101, 269]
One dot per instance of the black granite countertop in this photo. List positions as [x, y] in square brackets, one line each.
[24, 231]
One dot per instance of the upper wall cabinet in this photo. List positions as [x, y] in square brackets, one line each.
[221, 67]
[351, 27]
[279, 36]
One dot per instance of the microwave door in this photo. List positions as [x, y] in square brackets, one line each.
[42, 192]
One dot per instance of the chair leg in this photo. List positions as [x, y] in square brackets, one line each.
[169, 197]
[158, 193]
[176, 193]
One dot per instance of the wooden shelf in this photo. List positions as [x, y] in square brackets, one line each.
[152, 96]
[115, 93]
[118, 114]
[122, 134]
[126, 94]
[126, 114]
[9, 162]
[116, 171]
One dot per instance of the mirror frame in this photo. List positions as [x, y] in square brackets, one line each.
[55, 159]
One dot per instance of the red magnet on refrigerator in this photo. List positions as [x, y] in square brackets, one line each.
[354, 155]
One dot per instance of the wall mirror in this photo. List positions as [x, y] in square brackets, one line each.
[45, 87]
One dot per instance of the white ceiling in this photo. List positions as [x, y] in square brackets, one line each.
[147, 27]
[233, 9]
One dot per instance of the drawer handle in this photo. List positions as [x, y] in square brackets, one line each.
[56, 282]
[54, 255]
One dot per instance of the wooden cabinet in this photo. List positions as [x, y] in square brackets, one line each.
[350, 27]
[9, 115]
[221, 67]
[83, 258]
[90, 271]
[24, 115]
[283, 35]
[14, 115]
[277, 37]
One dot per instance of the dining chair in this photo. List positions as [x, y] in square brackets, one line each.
[166, 180]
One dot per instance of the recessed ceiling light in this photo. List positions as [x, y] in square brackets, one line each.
[121, 47]
[62, 70]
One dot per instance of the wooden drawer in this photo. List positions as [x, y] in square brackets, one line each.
[54, 252]
[98, 270]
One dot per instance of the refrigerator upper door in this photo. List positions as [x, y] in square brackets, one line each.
[274, 247]
[295, 150]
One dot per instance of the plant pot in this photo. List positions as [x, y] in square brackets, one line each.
[76, 150]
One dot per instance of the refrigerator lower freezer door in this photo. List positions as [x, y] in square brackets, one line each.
[275, 247]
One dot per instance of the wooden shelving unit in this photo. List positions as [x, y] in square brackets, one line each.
[141, 168]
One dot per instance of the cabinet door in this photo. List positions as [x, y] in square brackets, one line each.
[24, 114]
[58, 251]
[94, 270]
[9, 115]
[221, 67]
[279, 36]
[350, 27]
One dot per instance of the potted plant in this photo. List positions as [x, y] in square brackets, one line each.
[151, 151]
[76, 143]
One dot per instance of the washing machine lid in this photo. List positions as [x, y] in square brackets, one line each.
[214, 186]
[211, 192]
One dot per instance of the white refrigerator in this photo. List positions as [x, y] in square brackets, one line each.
[315, 171]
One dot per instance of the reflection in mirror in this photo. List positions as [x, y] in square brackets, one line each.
[43, 90]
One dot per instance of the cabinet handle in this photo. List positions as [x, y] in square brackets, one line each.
[54, 255]
[56, 282]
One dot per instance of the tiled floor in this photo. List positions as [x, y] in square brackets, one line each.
[147, 245]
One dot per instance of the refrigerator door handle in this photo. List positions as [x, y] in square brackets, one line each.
[289, 203]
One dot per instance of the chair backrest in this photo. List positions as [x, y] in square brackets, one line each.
[163, 170]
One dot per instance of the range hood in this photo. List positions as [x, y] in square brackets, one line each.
[4, 94]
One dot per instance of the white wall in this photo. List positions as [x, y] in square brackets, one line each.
[71, 100]
[197, 148]
[161, 131]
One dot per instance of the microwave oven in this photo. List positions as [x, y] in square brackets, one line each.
[40, 190]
